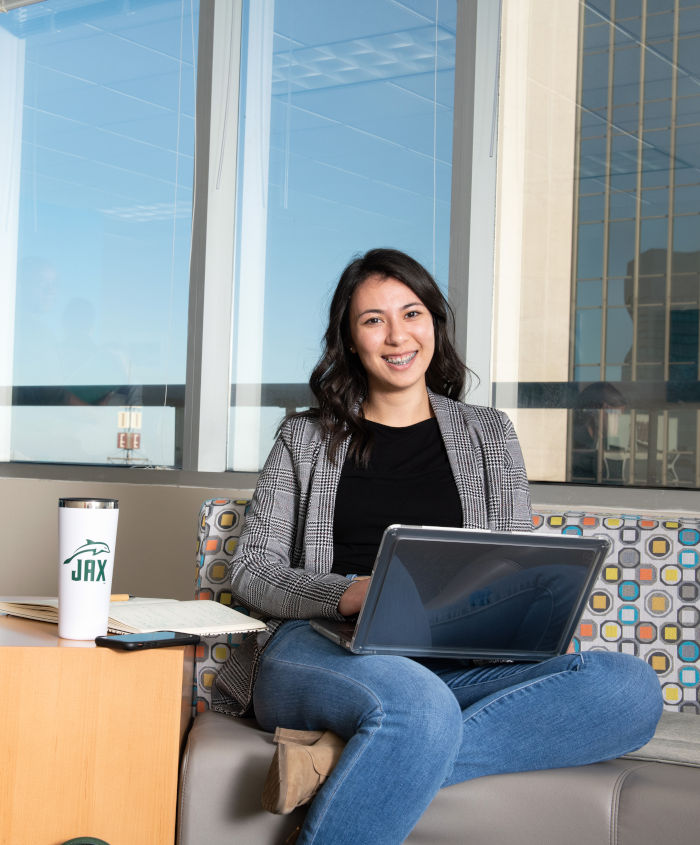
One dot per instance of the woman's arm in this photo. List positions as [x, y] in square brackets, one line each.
[262, 577]
[516, 475]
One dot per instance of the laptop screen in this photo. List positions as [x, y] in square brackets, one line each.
[452, 592]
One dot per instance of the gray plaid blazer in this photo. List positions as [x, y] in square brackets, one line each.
[282, 565]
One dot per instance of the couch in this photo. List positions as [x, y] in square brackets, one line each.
[645, 602]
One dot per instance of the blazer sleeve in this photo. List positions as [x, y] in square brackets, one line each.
[515, 478]
[263, 577]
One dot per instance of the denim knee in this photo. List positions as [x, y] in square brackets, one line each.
[631, 688]
[429, 717]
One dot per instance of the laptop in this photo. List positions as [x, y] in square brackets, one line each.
[465, 593]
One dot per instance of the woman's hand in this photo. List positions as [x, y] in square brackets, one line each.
[351, 600]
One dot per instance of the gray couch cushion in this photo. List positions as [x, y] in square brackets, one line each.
[677, 740]
[625, 801]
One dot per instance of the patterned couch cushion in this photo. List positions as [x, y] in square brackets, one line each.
[646, 601]
[220, 523]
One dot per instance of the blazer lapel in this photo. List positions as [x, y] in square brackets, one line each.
[465, 459]
[318, 534]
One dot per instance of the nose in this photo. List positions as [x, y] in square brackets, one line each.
[395, 331]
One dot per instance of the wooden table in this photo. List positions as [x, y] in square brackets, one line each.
[90, 738]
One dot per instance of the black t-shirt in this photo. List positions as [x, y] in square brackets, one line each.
[408, 481]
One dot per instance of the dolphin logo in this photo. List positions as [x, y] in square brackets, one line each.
[92, 547]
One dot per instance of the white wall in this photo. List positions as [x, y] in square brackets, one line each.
[155, 550]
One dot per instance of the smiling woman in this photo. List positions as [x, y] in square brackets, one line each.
[390, 443]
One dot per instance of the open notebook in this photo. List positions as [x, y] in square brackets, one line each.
[142, 615]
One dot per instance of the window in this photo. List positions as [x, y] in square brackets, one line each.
[96, 214]
[605, 362]
[161, 319]
[346, 144]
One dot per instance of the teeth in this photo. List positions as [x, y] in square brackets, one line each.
[404, 359]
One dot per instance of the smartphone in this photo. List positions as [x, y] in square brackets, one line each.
[154, 639]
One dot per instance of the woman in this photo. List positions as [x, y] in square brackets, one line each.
[391, 443]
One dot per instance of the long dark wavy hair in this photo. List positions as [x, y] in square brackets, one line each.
[339, 381]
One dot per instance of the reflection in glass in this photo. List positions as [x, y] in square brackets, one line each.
[652, 290]
[686, 237]
[623, 204]
[619, 335]
[660, 26]
[626, 74]
[590, 294]
[654, 202]
[685, 287]
[600, 435]
[688, 109]
[588, 336]
[653, 234]
[591, 207]
[651, 334]
[621, 235]
[590, 251]
[657, 114]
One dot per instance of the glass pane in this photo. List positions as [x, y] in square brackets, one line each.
[627, 9]
[590, 255]
[652, 290]
[589, 294]
[686, 239]
[97, 197]
[689, 65]
[656, 159]
[689, 21]
[621, 248]
[688, 110]
[619, 335]
[659, 26]
[657, 114]
[685, 288]
[653, 234]
[358, 98]
[588, 334]
[651, 331]
[654, 202]
[595, 81]
[596, 36]
[591, 207]
[616, 292]
[623, 204]
[658, 76]
[626, 75]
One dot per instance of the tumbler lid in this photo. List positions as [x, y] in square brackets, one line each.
[88, 503]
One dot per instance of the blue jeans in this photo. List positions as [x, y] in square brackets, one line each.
[412, 728]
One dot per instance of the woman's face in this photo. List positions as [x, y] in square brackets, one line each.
[392, 333]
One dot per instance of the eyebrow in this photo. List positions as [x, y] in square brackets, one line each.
[380, 311]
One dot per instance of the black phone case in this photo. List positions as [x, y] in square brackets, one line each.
[116, 641]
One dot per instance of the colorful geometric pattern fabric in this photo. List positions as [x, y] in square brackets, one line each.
[645, 601]
[220, 523]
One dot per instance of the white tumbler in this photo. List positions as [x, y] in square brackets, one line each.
[87, 533]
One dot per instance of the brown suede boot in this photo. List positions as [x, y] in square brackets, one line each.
[300, 737]
[302, 762]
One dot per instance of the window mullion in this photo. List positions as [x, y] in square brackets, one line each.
[207, 395]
